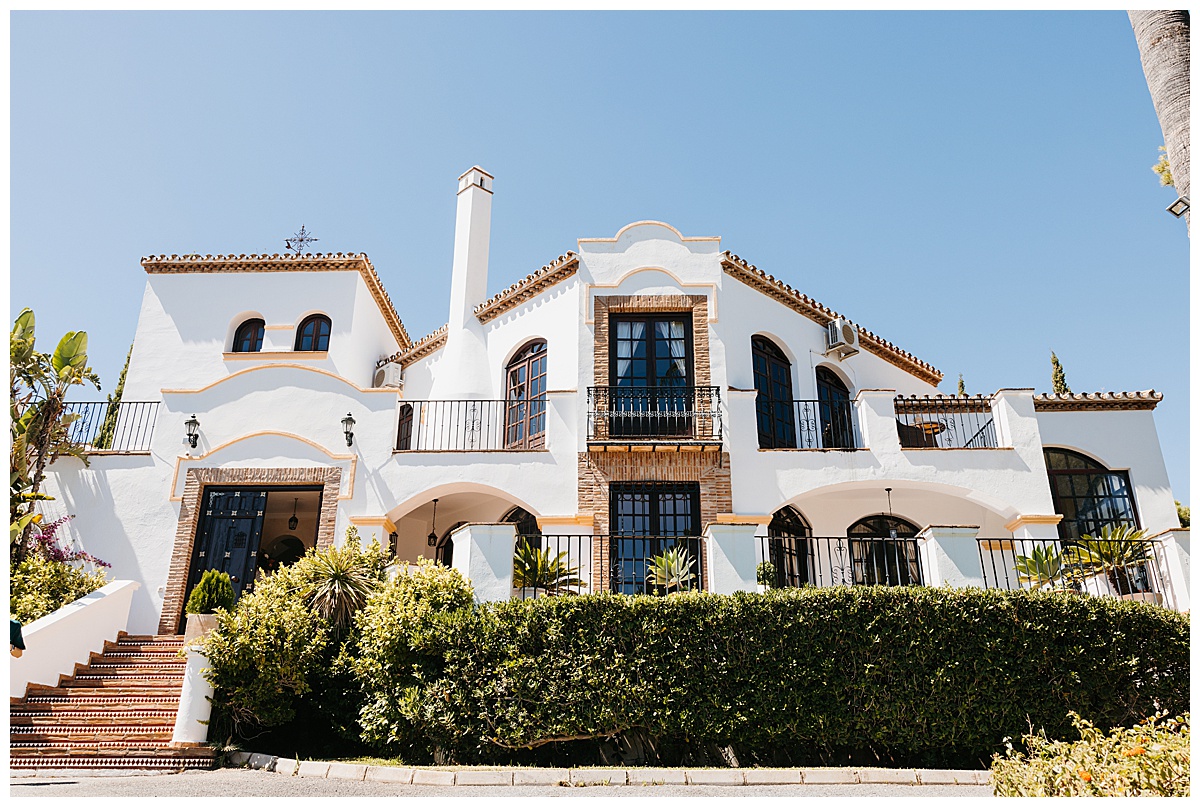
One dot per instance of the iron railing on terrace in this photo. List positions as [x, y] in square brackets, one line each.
[116, 426]
[1129, 569]
[654, 564]
[946, 422]
[471, 425]
[552, 566]
[807, 424]
[654, 413]
[841, 561]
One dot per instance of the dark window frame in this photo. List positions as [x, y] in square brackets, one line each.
[525, 416]
[1066, 484]
[774, 412]
[244, 334]
[834, 405]
[685, 317]
[311, 332]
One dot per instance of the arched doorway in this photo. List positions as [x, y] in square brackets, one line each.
[833, 404]
[773, 381]
[883, 551]
[788, 548]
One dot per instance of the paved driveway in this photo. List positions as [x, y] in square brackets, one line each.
[243, 782]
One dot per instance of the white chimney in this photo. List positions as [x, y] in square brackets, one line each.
[462, 371]
[472, 233]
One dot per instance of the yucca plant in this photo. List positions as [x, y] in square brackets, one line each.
[671, 570]
[542, 569]
[1041, 568]
[339, 581]
[1115, 554]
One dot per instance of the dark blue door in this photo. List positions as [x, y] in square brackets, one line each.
[230, 529]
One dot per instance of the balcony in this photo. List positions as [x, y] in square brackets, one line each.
[474, 425]
[946, 423]
[677, 415]
[812, 425]
[122, 426]
[1129, 569]
[814, 561]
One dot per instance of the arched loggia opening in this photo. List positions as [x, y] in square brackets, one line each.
[883, 551]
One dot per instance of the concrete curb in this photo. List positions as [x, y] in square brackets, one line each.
[605, 777]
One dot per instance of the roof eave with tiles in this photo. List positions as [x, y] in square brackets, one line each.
[1096, 401]
[755, 278]
[553, 273]
[328, 262]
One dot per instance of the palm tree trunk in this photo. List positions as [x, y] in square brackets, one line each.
[1164, 42]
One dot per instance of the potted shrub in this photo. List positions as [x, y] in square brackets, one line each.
[1114, 557]
[215, 590]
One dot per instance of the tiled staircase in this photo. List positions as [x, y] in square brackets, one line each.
[116, 711]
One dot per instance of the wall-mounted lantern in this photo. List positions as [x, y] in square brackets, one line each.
[348, 428]
[193, 430]
[1179, 207]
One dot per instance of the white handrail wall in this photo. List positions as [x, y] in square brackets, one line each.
[57, 642]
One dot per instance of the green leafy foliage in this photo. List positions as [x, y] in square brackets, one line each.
[1163, 168]
[40, 586]
[395, 659]
[673, 570]
[544, 570]
[961, 392]
[1150, 759]
[281, 643]
[861, 675]
[215, 590]
[1114, 553]
[766, 574]
[1041, 568]
[1185, 514]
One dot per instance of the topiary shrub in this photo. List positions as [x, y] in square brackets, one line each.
[215, 590]
[1151, 759]
[40, 585]
[907, 676]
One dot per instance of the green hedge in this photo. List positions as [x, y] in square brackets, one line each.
[893, 676]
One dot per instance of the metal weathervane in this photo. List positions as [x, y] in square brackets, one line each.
[300, 241]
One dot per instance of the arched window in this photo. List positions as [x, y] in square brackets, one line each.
[404, 432]
[773, 380]
[883, 551]
[313, 333]
[788, 548]
[249, 336]
[833, 404]
[1087, 495]
[527, 526]
[525, 407]
[444, 552]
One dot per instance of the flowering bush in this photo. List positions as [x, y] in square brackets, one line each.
[1150, 759]
[46, 579]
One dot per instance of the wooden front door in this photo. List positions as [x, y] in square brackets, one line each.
[227, 539]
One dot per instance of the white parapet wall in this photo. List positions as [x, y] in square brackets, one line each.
[483, 553]
[57, 642]
[195, 701]
[732, 557]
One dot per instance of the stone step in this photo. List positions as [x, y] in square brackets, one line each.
[137, 657]
[40, 745]
[130, 694]
[170, 759]
[146, 680]
[90, 715]
[88, 735]
[153, 668]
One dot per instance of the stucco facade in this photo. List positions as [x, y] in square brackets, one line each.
[273, 417]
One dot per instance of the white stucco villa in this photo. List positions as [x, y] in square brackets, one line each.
[645, 391]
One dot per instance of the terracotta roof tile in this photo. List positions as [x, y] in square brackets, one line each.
[533, 284]
[1083, 401]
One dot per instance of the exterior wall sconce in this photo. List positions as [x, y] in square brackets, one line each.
[348, 428]
[293, 522]
[1179, 207]
[193, 430]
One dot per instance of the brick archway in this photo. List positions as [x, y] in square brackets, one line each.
[197, 479]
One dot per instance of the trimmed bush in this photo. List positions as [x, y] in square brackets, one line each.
[893, 676]
[1151, 759]
[40, 585]
[215, 590]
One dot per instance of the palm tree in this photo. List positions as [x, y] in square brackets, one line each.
[1164, 42]
[541, 569]
[1115, 554]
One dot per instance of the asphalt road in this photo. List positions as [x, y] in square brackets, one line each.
[244, 782]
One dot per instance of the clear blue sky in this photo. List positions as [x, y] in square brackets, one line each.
[975, 187]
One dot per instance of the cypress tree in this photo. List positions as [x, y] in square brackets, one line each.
[962, 390]
[104, 437]
[1058, 379]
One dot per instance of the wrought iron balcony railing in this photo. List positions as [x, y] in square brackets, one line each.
[946, 423]
[1125, 568]
[552, 566]
[807, 424]
[815, 561]
[471, 425]
[654, 413]
[117, 426]
[654, 564]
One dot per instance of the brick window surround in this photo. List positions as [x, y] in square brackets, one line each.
[697, 304]
[189, 517]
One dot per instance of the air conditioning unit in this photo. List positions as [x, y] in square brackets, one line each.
[389, 375]
[841, 338]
